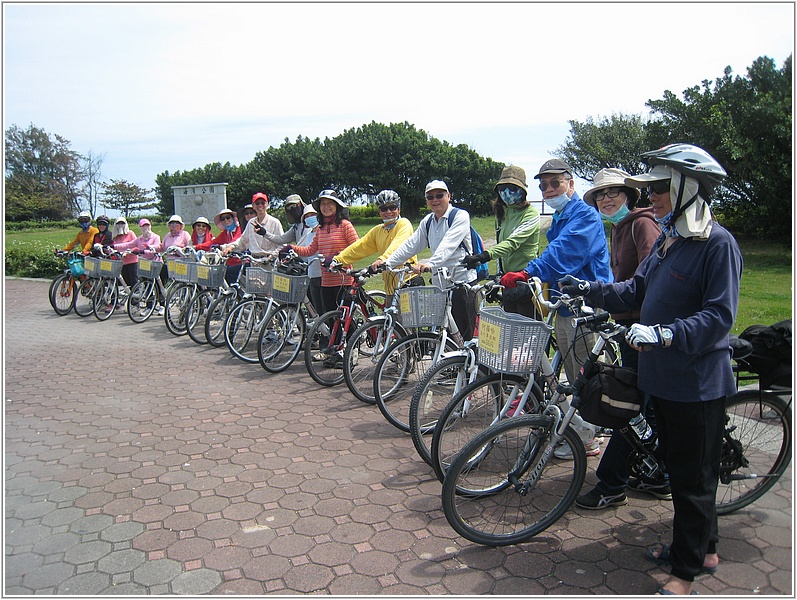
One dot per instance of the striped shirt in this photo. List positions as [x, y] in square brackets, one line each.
[330, 240]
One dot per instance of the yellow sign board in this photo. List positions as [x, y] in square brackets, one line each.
[181, 268]
[282, 284]
[489, 336]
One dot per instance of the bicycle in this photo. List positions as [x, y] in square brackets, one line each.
[182, 271]
[148, 291]
[327, 338]
[367, 344]
[64, 287]
[86, 292]
[210, 285]
[407, 359]
[112, 292]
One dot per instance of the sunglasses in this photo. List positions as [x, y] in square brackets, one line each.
[226, 217]
[553, 184]
[659, 187]
[435, 196]
[389, 207]
[611, 193]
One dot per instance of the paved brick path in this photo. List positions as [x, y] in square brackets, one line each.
[137, 462]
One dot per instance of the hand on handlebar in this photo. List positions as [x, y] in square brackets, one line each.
[644, 337]
[471, 261]
[511, 279]
[573, 287]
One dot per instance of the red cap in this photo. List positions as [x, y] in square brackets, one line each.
[258, 196]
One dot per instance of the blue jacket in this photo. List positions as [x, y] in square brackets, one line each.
[694, 291]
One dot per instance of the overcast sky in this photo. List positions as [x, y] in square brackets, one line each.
[167, 87]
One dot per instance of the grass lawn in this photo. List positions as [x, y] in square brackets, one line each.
[766, 291]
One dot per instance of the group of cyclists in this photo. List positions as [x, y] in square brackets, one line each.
[669, 272]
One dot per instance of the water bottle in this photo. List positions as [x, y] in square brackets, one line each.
[641, 427]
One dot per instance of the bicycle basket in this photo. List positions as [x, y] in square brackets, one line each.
[511, 343]
[289, 289]
[91, 266]
[110, 268]
[257, 281]
[148, 268]
[422, 306]
[75, 265]
[182, 270]
[210, 275]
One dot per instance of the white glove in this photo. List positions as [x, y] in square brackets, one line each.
[643, 337]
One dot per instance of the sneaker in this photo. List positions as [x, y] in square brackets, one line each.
[161, 310]
[594, 500]
[657, 490]
[334, 362]
[271, 337]
[592, 448]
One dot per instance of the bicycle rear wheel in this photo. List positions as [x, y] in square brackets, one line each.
[242, 328]
[756, 448]
[105, 299]
[196, 315]
[325, 345]
[399, 371]
[441, 382]
[281, 338]
[488, 495]
[84, 299]
[362, 355]
[473, 410]
[62, 294]
[177, 300]
[217, 316]
[143, 300]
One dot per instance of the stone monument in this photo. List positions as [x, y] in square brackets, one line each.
[203, 200]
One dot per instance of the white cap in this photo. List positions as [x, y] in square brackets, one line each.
[436, 185]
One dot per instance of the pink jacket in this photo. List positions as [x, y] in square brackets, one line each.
[121, 239]
[182, 240]
[153, 241]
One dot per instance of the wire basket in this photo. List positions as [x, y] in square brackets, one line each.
[210, 276]
[91, 266]
[148, 268]
[511, 343]
[258, 281]
[423, 306]
[110, 268]
[182, 270]
[289, 289]
[75, 265]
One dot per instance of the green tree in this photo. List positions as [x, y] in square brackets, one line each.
[127, 197]
[43, 175]
[746, 124]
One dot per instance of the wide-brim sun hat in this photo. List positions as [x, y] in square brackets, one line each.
[309, 210]
[330, 195]
[293, 199]
[657, 173]
[200, 220]
[515, 176]
[175, 219]
[224, 211]
[609, 178]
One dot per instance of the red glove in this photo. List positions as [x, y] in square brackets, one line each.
[509, 280]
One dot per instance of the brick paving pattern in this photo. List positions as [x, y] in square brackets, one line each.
[137, 462]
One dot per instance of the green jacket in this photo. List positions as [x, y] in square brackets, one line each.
[518, 238]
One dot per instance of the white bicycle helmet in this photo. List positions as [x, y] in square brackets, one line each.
[388, 197]
[690, 160]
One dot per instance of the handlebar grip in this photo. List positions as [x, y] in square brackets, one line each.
[600, 316]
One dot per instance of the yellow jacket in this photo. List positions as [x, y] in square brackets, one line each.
[84, 238]
[384, 241]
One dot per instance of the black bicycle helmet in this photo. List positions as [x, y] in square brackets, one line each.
[388, 197]
[103, 219]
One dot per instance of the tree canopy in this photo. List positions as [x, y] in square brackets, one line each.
[126, 197]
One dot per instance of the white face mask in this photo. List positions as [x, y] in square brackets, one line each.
[557, 203]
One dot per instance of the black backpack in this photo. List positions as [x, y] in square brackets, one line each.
[772, 356]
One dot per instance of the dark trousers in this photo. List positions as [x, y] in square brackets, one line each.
[690, 440]
[463, 309]
[130, 273]
[330, 298]
[314, 293]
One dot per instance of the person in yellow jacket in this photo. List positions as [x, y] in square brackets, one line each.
[85, 237]
[384, 238]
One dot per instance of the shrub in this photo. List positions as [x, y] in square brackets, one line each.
[32, 259]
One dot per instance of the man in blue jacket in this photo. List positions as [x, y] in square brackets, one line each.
[576, 244]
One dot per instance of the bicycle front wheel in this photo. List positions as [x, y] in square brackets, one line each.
[217, 316]
[402, 366]
[143, 300]
[362, 355]
[323, 350]
[495, 492]
[756, 448]
[196, 315]
[177, 301]
[105, 299]
[62, 294]
[84, 299]
[471, 411]
[281, 338]
[242, 328]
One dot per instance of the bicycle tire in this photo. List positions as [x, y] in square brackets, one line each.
[481, 497]
[473, 410]
[326, 341]
[441, 382]
[399, 371]
[242, 328]
[197, 313]
[175, 307]
[62, 294]
[381, 298]
[362, 355]
[105, 299]
[142, 302]
[286, 323]
[84, 299]
[217, 315]
[760, 427]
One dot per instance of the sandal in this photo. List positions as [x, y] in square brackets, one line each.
[663, 559]
[662, 592]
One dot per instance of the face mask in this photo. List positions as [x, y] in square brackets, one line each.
[231, 227]
[387, 222]
[85, 226]
[311, 222]
[621, 214]
[511, 197]
[557, 203]
[145, 231]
